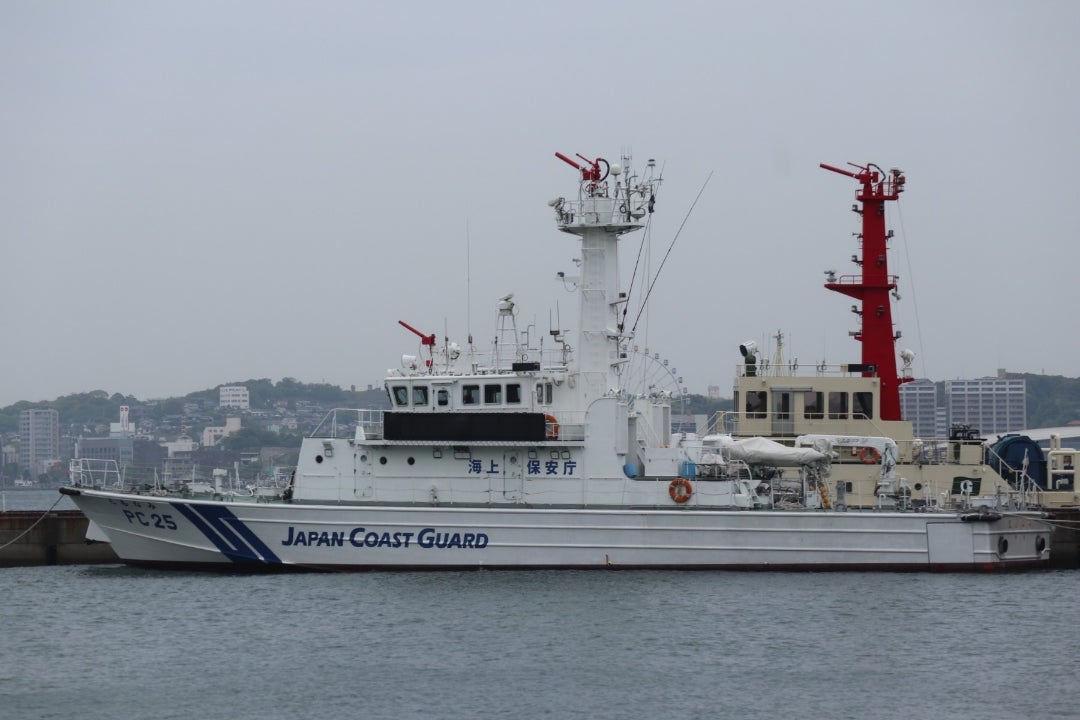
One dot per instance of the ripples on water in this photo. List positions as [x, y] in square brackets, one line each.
[107, 642]
[110, 642]
[35, 500]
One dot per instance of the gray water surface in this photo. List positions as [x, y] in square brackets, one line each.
[107, 642]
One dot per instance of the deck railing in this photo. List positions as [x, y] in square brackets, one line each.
[793, 368]
[92, 472]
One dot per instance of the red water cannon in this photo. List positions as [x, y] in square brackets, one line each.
[875, 182]
[592, 173]
[424, 339]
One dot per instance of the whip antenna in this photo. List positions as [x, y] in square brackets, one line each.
[652, 284]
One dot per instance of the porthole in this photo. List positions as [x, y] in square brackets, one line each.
[411, 461]
[318, 458]
[382, 460]
[1040, 544]
[363, 458]
[918, 486]
[1003, 546]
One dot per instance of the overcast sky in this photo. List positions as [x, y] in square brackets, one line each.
[195, 193]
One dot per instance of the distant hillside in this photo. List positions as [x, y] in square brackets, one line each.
[1052, 400]
[98, 407]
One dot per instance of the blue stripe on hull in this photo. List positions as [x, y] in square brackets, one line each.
[228, 534]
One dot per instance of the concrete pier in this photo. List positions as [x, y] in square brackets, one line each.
[55, 537]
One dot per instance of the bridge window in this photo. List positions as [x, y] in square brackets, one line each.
[401, 395]
[470, 394]
[838, 405]
[755, 404]
[493, 394]
[419, 395]
[813, 405]
[863, 405]
[513, 394]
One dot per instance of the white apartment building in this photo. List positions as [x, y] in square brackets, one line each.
[39, 439]
[235, 396]
[919, 406]
[989, 405]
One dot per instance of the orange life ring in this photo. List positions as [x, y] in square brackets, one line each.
[680, 490]
[869, 456]
[552, 427]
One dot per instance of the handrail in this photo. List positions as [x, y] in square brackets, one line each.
[766, 369]
[858, 279]
[90, 472]
[771, 416]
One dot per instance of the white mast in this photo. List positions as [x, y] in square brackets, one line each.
[603, 212]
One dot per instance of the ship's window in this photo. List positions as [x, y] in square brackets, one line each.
[470, 394]
[813, 405]
[513, 394]
[862, 405]
[401, 395]
[419, 395]
[838, 405]
[755, 404]
[543, 393]
[782, 405]
[493, 394]
[442, 397]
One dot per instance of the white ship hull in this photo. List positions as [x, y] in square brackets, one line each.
[266, 536]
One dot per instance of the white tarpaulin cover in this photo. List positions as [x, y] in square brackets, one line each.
[762, 451]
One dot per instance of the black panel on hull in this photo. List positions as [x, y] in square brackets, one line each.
[464, 426]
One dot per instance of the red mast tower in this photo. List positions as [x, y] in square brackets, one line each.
[873, 286]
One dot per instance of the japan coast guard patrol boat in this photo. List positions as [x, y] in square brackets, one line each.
[543, 457]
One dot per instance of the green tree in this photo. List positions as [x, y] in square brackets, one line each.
[250, 438]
